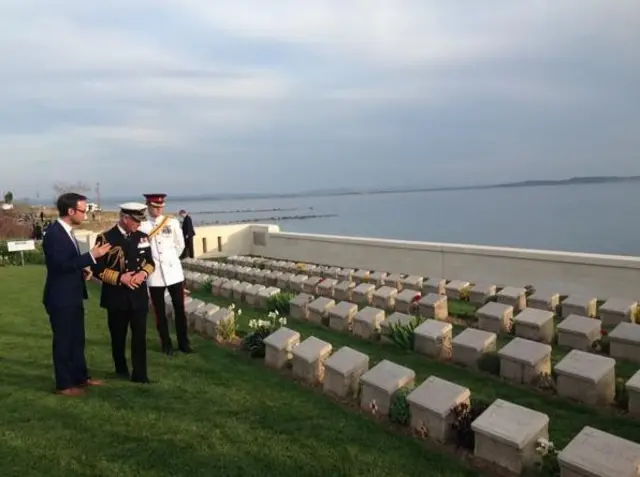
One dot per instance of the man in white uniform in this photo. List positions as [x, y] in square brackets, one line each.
[167, 243]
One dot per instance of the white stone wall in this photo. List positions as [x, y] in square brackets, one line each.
[568, 273]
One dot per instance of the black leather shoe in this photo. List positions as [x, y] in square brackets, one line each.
[141, 380]
[119, 375]
[168, 350]
[186, 349]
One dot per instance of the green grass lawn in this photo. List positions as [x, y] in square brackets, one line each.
[567, 418]
[214, 413]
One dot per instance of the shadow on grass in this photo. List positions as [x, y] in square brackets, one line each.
[214, 429]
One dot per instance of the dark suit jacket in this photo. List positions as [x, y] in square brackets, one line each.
[126, 254]
[187, 227]
[65, 286]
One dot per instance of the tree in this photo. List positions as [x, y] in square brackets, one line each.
[63, 187]
[8, 198]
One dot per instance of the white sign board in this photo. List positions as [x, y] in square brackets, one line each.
[22, 246]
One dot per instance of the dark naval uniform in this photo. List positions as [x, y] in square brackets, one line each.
[126, 308]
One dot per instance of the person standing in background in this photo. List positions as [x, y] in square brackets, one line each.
[64, 293]
[188, 232]
[167, 244]
[123, 273]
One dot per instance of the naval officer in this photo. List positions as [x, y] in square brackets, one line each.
[124, 271]
[167, 244]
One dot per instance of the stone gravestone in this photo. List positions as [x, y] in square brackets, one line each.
[596, 453]
[298, 306]
[586, 377]
[308, 359]
[341, 316]
[433, 338]
[279, 346]
[624, 342]
[579, 332]
[524, 361]
[432, 405]
[343, 370]
[469, 346]
[380, 384]
[507, 435]
[366, 323]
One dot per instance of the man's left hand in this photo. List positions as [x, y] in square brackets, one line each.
[88, 274]
[139, 278]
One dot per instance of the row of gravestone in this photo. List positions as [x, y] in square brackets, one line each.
[203, 318]
[304, 278]
[506, 434]
[582, 376]
[477, 292]
[577, 330]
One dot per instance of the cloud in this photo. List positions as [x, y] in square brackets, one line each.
[192, 95]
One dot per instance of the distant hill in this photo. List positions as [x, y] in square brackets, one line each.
[399, 190]
[573, 180]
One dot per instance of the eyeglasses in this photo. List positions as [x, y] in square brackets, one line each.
[82, 211]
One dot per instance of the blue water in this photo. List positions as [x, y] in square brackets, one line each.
[599, 218]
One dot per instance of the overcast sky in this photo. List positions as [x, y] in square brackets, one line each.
[196, 96]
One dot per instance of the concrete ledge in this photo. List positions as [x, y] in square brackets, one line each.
[566, 273]
[619, 261]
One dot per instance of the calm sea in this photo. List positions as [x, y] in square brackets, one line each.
[600, 218]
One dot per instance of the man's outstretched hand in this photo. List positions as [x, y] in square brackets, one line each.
[98, 251]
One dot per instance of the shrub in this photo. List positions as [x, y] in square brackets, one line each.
[548, 465]
[404, 335]
[206, 286]
[510, 326]
[399, 411]
[254, 341]
[280, 303]
[12, 227]
[490, 363]
[546, 382]
[465, 294]
[32, 257]
[621, 397]
[464, 414]
[529, 290]
[602, 345]
[226, 330]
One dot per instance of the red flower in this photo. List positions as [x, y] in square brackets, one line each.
[603, 332]
[416, 298]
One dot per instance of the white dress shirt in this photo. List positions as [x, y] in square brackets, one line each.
[67, 228]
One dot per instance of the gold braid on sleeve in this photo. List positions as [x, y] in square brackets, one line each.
[115, 262]
[109, 276]
[148, 268]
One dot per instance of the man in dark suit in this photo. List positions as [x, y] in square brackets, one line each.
[123, 273]
[64, 293]
[188, 232]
